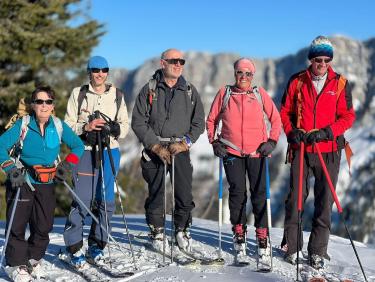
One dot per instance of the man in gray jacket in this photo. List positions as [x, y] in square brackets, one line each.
[168, 117]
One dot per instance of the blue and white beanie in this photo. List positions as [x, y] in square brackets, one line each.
[320, 46]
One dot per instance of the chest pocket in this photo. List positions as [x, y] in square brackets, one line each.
[52, 138]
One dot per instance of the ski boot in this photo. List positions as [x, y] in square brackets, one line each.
[156, 237]
[18, 273]
[36, 269]
[95, 254]
[183, 239]
[239, 243]
[316, 261]
[78, 259]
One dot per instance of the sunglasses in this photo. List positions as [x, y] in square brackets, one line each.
[175, 61]
[246, 73]
[40, 102]
[320, 60]
[97, 70]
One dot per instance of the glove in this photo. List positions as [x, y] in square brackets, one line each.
[162, 153]
[91, 137]
[62, 171]
[266, 148]
[296, 136]
[178, 147]
[219, 149]
[114, 129]
[16, 177]
[319, 135]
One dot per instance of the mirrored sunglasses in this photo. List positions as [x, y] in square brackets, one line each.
[246, 73]
[97, 70]
[40, 102]
[320, 60]
[175, 61]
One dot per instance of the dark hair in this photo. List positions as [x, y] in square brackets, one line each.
[48, 89]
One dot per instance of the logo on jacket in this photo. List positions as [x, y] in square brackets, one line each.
[332, 93]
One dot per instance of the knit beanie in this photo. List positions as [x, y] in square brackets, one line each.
[320, 46]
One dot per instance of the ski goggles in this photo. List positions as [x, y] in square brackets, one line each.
[175, 61]
[97, 70]
[41, 101]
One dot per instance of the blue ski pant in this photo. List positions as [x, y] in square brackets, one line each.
[89, 185]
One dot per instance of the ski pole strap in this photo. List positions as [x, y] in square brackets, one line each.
[328, 177]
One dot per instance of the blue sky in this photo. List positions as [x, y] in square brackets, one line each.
[139, 30]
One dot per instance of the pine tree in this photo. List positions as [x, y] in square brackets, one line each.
[43, 42]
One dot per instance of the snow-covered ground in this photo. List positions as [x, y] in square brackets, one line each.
[343, 263]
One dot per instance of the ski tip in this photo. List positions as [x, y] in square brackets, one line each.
[317, 279]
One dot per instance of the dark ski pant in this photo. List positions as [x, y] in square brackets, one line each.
[35, 208]
[235, 170]
[153, 173]
[87, 182]
[323, 201]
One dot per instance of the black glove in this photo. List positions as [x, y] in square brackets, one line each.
[62, 171]
[266, 148]
[319, 135]
[219, 149]
[92, 137]
[296, 136]
[114, 129]
[16, 177]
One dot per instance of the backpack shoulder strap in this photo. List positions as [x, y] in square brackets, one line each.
[189, 89]
[151, 90]
[341, 83]
[299, 99]
[59, 126]
[260, 101]
[82, 96]
[228, 92]
[119, 96]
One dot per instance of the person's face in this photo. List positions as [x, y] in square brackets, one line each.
[319, 65]
[43, 106]
[243, 78]
[172, 64]
[98, 77]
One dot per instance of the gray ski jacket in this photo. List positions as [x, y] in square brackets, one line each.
[172, 113]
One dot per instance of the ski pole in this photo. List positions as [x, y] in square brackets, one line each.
[268, 197]
[119, 198]
[165, 209]
[100, 148]
[173, 208]
[220, 203]
[339, 208]
[299, 201]
[82, 204]
[10, 223]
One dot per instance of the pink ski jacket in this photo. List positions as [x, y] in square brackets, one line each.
[243, 122]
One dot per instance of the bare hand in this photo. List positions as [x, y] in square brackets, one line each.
[95, 124]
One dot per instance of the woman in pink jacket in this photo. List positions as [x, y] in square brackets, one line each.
[243, 142]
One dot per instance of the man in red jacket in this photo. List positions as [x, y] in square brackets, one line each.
[316, 109]
[243, 143]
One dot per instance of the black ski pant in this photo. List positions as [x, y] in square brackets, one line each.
[35, 208]
[235, 170]
[323, 201]
[153, 173]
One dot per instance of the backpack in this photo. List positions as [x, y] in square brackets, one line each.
[22, 110]
[83, 92]
[228, 92]
[152, 95]
[15, 151]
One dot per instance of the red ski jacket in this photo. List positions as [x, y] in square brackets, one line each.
[328, 109]
[242, 121]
